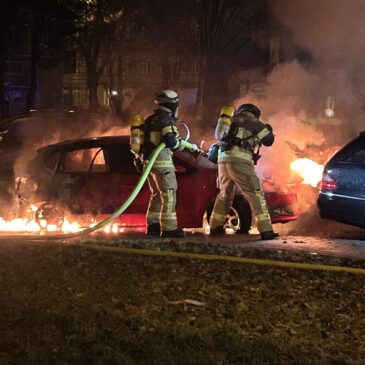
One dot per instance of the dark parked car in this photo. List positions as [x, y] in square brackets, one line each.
[342, 195]
[95, 175]
[39, 127]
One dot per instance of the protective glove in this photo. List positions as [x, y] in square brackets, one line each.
[268, 126]
[190, 146]
[138, 164]
[181, 146]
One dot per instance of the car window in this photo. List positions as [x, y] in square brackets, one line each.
[357, 157]
[85, 160]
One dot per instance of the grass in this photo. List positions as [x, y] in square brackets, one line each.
[68, 305]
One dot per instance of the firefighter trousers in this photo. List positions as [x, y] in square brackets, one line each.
[241, 175]
[162, 206]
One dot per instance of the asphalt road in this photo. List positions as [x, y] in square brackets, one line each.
[333, 250]
[312, 240]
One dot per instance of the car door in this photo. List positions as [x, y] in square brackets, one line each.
[82, 179]
[350, 193]
[187, 192]
[120, 160]
[99, 179]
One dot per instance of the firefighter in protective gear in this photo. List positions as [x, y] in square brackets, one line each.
[240, 135]
[161, 127]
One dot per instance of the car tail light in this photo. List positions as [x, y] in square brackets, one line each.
[328, 182]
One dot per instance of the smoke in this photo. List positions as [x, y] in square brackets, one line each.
[332, 32]
[297, 93]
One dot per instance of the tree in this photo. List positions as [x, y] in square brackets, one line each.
[127, 38]
[49, 26]
[7, 18]
[226, 27]
[173, 34]
[97, 22]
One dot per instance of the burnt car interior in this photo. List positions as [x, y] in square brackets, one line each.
[84, 160]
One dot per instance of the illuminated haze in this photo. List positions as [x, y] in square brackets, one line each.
[331, 33]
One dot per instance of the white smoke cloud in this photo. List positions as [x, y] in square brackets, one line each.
[295, 97]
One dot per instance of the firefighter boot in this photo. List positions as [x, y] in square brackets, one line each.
[218, 231]
[178, 232]
[268, 235]
[153, 229]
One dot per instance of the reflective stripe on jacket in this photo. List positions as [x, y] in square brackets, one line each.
[161, 127]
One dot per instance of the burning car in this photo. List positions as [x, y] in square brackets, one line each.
[92, 177]
[22, 134]
[342, 195]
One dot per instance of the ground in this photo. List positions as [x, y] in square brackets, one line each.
[66, 303]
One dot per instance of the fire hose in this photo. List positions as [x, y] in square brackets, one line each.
[107, 220]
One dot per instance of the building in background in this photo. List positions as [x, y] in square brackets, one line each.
[34, 62]
[141, 66]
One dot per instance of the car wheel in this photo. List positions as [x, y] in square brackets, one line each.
[49, 214]
[239, 217]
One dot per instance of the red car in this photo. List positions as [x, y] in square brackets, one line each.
[96, 175]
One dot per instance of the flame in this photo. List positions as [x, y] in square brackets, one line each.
[25, 225]
[309, 170]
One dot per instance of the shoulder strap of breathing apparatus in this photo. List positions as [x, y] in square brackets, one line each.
[148, 126]
[231, 140]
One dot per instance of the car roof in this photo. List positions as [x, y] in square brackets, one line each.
[347, 149]
[34, 115]
[86, 142]
[186, 156]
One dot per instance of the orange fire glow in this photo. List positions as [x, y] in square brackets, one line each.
[31, 226]
[309, 170]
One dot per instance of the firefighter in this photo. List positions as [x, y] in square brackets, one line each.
[161, 127]
[240, 135]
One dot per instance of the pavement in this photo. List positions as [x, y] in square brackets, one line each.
[348, 251]
[306, 240]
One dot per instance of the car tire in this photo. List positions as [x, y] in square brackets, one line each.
[241, 210]
[49, 213]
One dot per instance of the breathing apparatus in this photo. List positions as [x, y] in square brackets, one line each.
[226, 133]
[221, 131]
[137, 140]
[137, 133]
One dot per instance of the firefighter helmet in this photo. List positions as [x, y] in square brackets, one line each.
[167, 97]
[249, 108]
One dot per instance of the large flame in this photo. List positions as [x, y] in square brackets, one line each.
[25, 225]
[309, 170]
